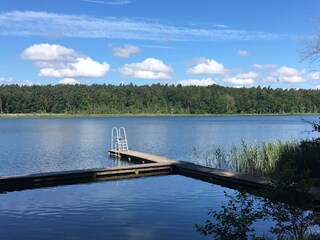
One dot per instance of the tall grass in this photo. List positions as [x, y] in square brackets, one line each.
[259, 159]
[293, 159]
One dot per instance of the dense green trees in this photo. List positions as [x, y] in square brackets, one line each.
[155, 99]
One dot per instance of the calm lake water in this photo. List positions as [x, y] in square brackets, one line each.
[46, 145]
[165, 207]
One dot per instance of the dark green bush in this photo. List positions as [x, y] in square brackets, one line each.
[301, 160]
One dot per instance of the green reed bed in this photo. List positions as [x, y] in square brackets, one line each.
[256, 159]
[266, 158]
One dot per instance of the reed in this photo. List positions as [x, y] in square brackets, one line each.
[259, 159]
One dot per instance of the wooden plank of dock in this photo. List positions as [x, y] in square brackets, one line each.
[223, 177]
[38, 180]
[142, 157]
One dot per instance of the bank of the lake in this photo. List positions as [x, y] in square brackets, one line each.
[67, 115]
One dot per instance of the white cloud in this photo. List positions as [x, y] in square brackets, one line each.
[81, 68]
[287, 75]
[150, 68]
[31, 23]
[317, 87]
[242, 79]
[9, 80]
[247, 75]
[48, 52]
[242, 53]
[118, 2]
[70, 81]
[6, 80]
[93, 1]
[243, 86]
[57, 61]
[125, 51]
[240, 82]
[292, 79]
[220, 26]
[288, 71]
[264, 66]
[207, 66]
[197, 82]
[115, 2]
[314, 76]
[158, 46]
[271, 79]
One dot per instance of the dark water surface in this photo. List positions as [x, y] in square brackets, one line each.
[165, 207]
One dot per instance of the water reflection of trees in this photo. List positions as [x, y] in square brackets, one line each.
[287, 204]
[292, 222]
[236, 217]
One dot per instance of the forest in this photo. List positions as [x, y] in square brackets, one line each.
[156, 99]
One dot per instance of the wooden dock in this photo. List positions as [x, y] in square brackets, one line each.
[142, 157]
[145, 165]
[38, 180]
[222, 177]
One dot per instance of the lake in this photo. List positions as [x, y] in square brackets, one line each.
[147, 208]
[57, 144]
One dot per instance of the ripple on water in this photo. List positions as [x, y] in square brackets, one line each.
[157, 207]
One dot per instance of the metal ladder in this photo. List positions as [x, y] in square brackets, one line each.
[119, 139]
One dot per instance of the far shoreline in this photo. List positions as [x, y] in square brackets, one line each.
[65, 115]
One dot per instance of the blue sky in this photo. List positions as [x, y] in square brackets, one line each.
[236, 43]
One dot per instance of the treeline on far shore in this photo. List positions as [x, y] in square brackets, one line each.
[156, 99]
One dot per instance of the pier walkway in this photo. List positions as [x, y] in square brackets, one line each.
[145, 165]
[188, 169]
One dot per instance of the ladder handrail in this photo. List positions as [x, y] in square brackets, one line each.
[119, 139]
[123, 135]
[114, 136]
